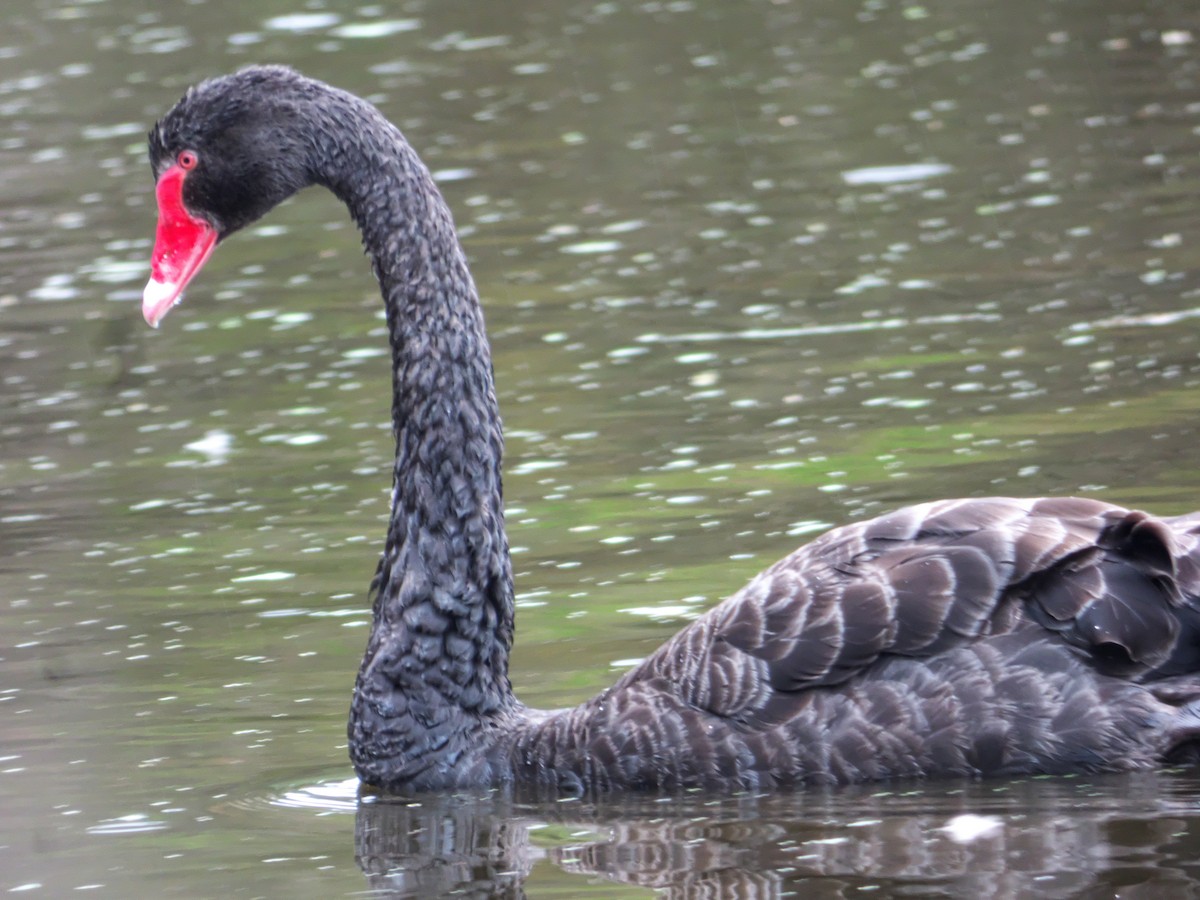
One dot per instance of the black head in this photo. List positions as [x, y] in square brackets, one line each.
[243, 142]
[227, 152]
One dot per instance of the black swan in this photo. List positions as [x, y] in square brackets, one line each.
[962, 637]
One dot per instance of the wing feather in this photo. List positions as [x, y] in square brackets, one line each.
[1119, 585]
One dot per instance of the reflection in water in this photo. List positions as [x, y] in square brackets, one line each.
[1046, 837]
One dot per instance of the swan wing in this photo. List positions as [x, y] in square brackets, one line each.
[1117, 585]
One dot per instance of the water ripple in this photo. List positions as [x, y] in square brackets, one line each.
[759, 334]
[339, 795]
[137, 823]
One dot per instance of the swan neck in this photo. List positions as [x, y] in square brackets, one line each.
[437, 657]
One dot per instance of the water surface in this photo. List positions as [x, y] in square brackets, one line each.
[751, 270]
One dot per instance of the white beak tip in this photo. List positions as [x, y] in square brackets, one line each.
[157, 300]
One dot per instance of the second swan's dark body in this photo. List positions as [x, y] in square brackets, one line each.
[970, 637]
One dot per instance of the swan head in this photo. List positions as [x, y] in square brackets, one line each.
[230, 150]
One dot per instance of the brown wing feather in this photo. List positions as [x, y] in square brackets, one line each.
[1118, 585]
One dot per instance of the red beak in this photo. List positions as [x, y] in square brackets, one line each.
[182, 243]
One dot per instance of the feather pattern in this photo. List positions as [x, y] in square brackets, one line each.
[975, 637]
[961, 637]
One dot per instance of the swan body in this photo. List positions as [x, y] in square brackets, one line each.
[962, 637]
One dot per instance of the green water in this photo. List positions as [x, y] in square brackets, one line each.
[751, 270]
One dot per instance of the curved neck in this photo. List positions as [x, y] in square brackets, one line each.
[443, 607]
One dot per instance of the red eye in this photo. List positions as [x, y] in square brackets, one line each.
[188, 159]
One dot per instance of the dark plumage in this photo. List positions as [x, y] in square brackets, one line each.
[970, 637]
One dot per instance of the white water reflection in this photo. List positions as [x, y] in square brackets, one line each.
[301, 22]
[1142, 320]
[340, 796]
[215, 446]
[377, 28]
[831, 328]
[968, 827]
[896, 174]
[135, 823]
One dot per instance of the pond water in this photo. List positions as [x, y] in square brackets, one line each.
[750, 270]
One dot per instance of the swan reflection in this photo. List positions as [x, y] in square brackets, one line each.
[1054, 837]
